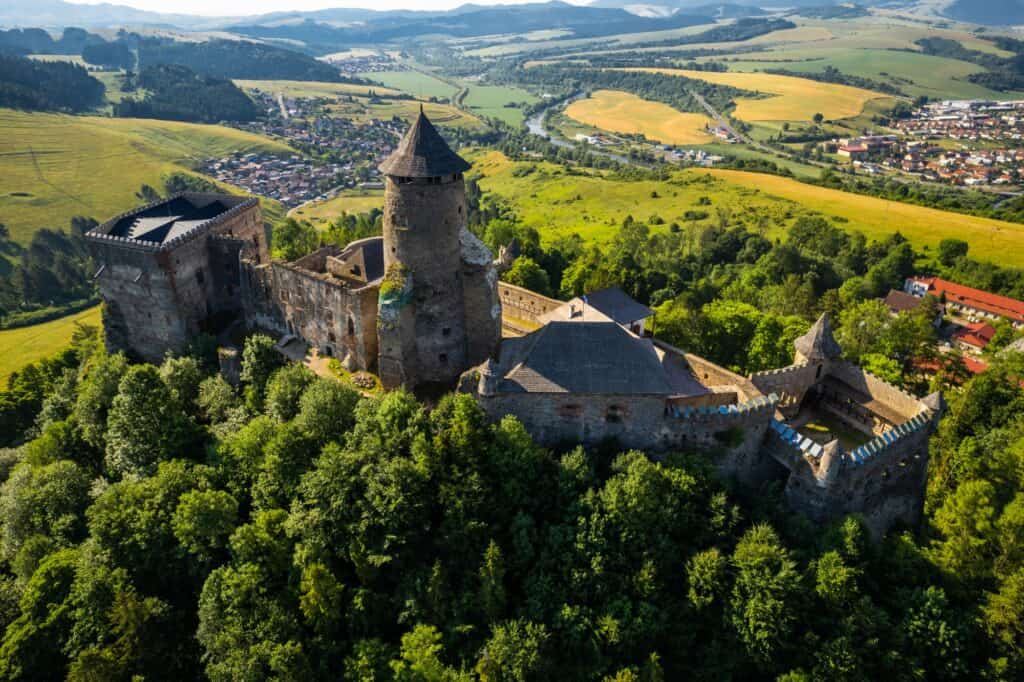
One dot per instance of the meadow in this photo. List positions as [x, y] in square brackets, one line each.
[622, 112]
[415, 83]
[54, 167]
[363, 110]
[790, 98]
[19, 347]
[322, 213]
[490, 100]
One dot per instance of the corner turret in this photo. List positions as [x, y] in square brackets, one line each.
[818, 345]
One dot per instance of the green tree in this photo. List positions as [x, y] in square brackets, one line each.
[762, 607]
[96, 394]
[182, 375]
[146, 425]
[284, 390]
[515, 652]
[492, 583]
[203, 521]
[952, 250]
[527, 274]
[326, 410]
[260, 359]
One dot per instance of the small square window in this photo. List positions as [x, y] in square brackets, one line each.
[443, 358]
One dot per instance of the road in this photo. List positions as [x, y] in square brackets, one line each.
[724, 122]
[280, 103]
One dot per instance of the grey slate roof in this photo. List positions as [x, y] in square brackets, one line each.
[818, 343]
[583, 357]
[618, 305]
[423, 153]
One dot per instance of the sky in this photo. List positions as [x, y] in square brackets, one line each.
[236, 8]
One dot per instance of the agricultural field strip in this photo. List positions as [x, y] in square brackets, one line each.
[19, 347]
[622, 112]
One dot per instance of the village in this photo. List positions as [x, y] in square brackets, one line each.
[969, 143]
[339, 152]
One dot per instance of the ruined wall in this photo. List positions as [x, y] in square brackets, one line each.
[900, 401]
[330, 317]
[423, 218]
[523, 304]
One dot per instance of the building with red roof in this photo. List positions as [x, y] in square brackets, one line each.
[974, 337]
[968, 300]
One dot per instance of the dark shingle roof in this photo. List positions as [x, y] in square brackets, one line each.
[901, 302]
[818, 343]
[618, 305]
[583, 357]
[423, 153]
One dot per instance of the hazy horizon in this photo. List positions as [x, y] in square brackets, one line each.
[253, 7]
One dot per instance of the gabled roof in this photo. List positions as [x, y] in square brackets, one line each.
[978, 335]
[901, 302]
[819, 343]
[583, 357]
[599, 306]
[975, 298]
[423, 153]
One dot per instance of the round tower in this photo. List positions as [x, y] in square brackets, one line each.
[424, 214]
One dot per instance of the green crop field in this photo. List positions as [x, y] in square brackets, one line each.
[321, 213]
[413, 82]
[490, 100]
[558, 204]
[54, 167]
[19, 347]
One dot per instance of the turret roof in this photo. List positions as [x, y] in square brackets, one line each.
[423, 153]
[818, 343]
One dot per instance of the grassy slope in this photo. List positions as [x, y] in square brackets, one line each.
[54, 167]
[622, 112]
[19, 347]
[323, 212]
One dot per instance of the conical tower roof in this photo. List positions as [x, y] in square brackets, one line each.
[423, 153]
[819, 344]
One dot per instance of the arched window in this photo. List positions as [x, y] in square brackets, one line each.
[351, 326]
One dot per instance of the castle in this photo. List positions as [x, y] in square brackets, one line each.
[422, 305]
[418, 305]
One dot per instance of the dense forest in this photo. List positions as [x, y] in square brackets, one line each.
[236, 59]
[178, 94]
[113, 55]
[47, 86]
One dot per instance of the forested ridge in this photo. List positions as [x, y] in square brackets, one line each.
[176, 93]
[47, 86]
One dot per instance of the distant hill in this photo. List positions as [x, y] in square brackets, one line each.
[175, 93]
[470, 21]
[37, 41]
[237, 59]
[991, 12]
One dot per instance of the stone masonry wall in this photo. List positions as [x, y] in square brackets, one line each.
[902, 402]
[423, 219]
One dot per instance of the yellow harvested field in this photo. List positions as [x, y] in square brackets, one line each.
[19, 347]
[790, 98]
[621, 112]
[992, 240]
